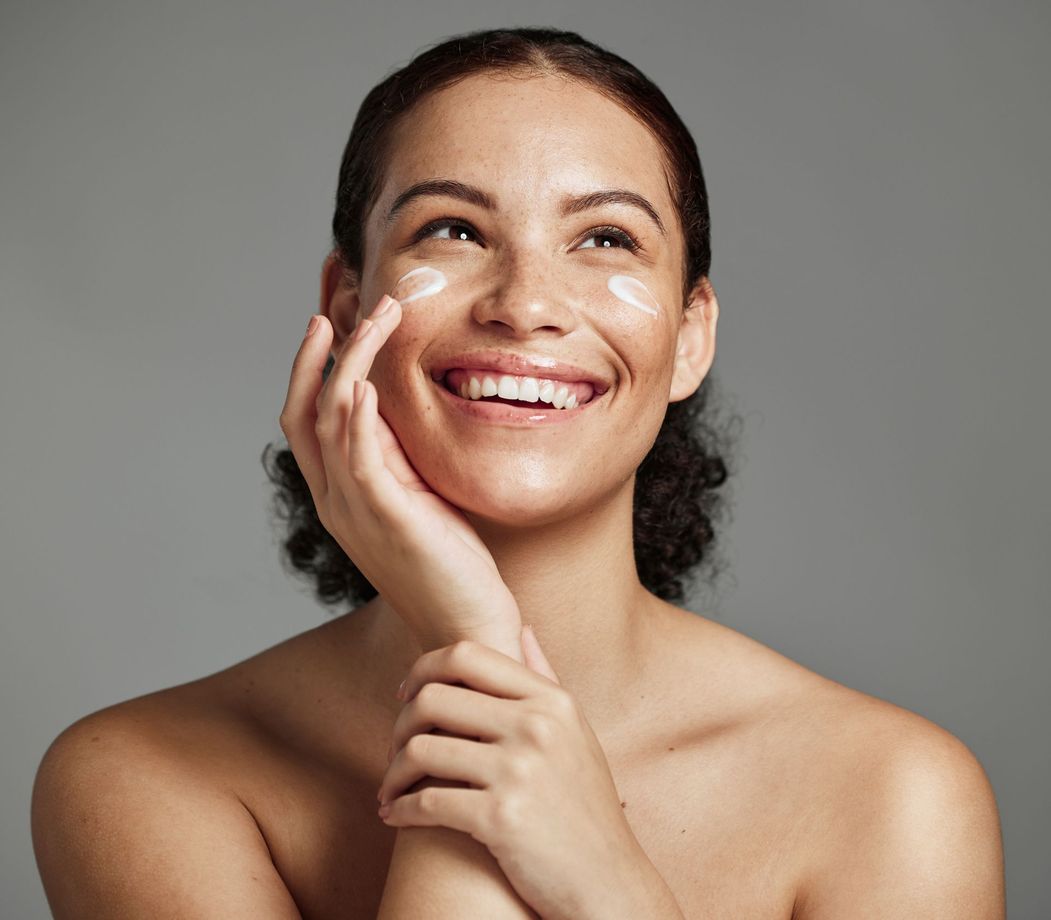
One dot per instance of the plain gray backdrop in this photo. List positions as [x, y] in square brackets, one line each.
[880, 208]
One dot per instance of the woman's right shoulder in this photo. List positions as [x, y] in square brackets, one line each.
[136, 807]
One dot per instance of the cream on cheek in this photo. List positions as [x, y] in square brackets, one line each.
[423, 281]
[420, 282]
[634, 292]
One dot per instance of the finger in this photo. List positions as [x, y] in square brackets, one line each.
[440, 756]
[534, 655]
[453, 709]
[366, 463]
[477, 666]
[357, 353]
[440, 806]
[336, 400]
[299, 413]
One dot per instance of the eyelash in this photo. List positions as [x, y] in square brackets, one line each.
[627, 241]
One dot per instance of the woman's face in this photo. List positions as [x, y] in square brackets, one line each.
[526, 277]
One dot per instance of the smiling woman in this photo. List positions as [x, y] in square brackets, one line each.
[499, 418]
[678, 495]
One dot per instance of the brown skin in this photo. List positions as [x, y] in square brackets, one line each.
[555, 503]
[756, 787]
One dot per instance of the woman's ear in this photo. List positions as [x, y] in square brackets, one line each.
[340, 298]
[695, 349]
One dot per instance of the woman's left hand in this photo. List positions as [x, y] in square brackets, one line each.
[541, 797]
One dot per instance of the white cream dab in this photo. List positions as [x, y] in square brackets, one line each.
[634, 292]
[420, 282]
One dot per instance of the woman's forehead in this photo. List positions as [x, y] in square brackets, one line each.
[534, 139]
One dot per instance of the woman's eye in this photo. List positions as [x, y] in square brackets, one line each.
[461, 230]
[624, 240]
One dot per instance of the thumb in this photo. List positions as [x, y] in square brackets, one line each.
[535, 659]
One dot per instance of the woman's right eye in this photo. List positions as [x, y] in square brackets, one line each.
[461, 230]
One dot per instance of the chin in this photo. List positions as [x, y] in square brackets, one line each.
[514, 497]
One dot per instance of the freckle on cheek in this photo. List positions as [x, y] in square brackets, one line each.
[633, 292]
[420, 282]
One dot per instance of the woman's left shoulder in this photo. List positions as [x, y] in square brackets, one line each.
[907, 800]
[887, 791]
[827, 714]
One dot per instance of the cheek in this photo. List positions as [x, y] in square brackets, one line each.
[426, 281]
[423, 281]
[634, 293]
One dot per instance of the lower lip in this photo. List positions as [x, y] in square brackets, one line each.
[512, 415]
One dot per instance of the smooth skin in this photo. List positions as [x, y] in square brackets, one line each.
[381, 512]
[416, 549]
[755, 787]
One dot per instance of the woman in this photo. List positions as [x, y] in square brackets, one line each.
[505, 441]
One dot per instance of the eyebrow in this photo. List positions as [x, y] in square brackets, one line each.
[572, 204]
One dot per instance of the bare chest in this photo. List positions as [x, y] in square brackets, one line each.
[715, 829]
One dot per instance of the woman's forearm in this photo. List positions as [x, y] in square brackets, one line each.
[441, 874]
[437, 873]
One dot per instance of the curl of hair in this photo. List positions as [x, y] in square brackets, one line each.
[679, 486]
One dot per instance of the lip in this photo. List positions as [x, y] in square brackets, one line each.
[511, 415]
[521, 366]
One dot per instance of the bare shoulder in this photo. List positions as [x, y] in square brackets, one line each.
[131, 817]
[903, 818]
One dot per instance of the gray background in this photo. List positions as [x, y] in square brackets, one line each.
[880, 209]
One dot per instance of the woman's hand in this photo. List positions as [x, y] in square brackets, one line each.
[541, 796]
[417, 549]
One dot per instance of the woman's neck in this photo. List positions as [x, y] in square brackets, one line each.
[576, 583]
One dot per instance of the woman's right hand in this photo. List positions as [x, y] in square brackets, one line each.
[418, 550]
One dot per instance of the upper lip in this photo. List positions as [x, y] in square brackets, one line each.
[521, 366]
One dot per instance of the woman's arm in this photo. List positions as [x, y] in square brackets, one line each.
[441, 874]
[542, 800]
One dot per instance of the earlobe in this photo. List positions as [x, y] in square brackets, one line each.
[339, 298]
[696, 342]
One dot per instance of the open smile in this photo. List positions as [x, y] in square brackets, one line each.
[512, 411]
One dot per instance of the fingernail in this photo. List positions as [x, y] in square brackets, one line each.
[384, 810]
[401, 689]
[312, 325]
[363, 327]
[383, 306]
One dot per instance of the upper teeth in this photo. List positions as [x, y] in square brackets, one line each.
[530, 389]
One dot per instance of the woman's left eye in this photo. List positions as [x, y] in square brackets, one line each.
[626, 240]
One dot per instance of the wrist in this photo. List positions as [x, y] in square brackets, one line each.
[505, 638]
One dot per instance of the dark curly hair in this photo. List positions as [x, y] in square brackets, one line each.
[675, 499]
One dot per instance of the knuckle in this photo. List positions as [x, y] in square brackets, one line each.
[428, 800]
[416, 747]
[563, 704]
[324, 427]
[519, 771]
[505, 816]
[539, 729]
[462, 651]
[427, 696]
[359, 472]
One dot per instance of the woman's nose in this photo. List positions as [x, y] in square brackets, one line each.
[527, 296]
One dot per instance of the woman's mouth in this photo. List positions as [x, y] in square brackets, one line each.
[499, 397]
